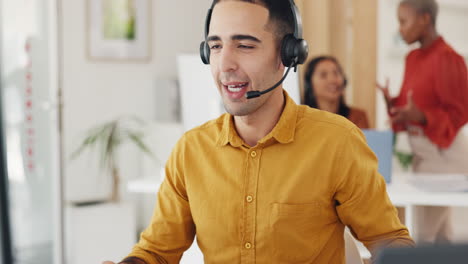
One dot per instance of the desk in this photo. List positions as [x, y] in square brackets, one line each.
[144, 185]
[407, 195]
[403, 193]
[400, 191]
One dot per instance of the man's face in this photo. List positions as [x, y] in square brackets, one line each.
[244, 55]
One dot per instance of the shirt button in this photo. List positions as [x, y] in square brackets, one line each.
[253, 154]
[248, 245]
[249, 199]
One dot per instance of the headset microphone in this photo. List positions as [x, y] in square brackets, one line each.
[254, 94]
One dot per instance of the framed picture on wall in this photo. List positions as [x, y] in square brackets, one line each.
[119, 30]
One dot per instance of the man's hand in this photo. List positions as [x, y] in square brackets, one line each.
[108, 262]
[408, 113]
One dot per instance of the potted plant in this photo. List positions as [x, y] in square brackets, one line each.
[404, 158]
[109, 224]
[107, 138]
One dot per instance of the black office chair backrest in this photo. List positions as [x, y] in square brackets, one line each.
[443, 254]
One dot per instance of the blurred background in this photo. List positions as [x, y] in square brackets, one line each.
[123, 80]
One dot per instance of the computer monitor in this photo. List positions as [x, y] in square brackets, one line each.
[381, 143]
[450, 254]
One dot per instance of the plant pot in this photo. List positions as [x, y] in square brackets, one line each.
[99, 231]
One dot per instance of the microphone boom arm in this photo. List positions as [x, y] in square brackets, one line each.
[254, 94]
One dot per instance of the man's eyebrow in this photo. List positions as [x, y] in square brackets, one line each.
[246, 37]
[234, 37]
[213, 38]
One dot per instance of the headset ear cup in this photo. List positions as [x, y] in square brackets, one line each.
[205, 52]
[287, 49]
[292, 49]
[302, 51]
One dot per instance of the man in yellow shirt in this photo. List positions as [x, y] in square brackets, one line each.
[269, 181]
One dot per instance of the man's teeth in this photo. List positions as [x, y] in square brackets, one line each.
[235, 88]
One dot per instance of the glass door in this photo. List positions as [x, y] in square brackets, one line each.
[29, 87]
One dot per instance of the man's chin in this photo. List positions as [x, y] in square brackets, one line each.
[237, 111]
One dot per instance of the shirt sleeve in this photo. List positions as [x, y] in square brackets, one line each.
[451, 88]
[364, 205]
[171, 231]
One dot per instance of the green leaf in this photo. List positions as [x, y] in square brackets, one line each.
[405, 159]
[108, 137]
[94, 135]
[137, 139]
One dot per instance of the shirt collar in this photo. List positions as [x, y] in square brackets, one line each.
[283, 132]
[435, 44]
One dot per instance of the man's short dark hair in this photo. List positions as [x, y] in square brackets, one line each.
[280, 15]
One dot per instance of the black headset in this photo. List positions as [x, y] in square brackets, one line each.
[294, 49]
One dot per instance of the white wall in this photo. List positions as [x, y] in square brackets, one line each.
[96, 91]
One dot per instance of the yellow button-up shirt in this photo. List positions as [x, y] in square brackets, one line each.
[285, 200]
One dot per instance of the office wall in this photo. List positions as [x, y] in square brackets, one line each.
[94, 92]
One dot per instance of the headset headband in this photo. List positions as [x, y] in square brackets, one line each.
[294, 10]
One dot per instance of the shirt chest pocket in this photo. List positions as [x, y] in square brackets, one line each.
[295, 232]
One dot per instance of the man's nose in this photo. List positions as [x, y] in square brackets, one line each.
[228, 60]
